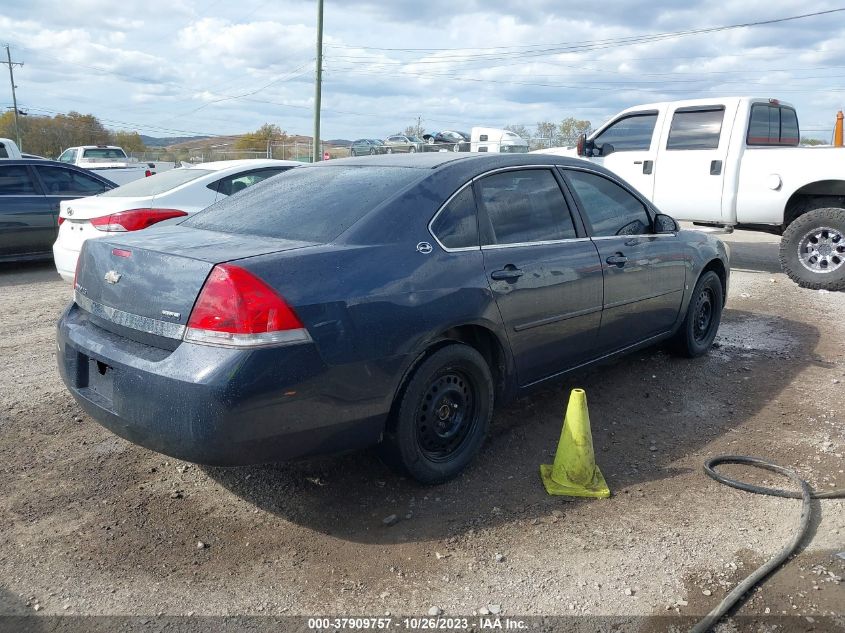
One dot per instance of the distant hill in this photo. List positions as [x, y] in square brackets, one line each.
[154, 141]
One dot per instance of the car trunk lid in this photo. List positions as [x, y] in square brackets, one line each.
[144, 285]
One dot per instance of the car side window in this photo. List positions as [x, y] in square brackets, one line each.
[456, 226]
[608, 208]
[3, 152]
[525, 205]
[66, 182]
[15, 180]
[238, 182]
[630, 133]
[68, 156]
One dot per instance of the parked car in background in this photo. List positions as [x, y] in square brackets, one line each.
[495, 140]
[9, 149]
[111, 161]
[140, 204]
[400, 143]
[30, 193]
[447, 140]
[367, 147]
[734, 162]
[382, 299]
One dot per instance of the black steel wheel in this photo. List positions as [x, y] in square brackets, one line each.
[441, 418]
[704, 314]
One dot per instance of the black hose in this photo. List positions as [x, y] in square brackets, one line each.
[805, 494]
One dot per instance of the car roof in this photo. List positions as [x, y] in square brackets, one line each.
[434, 160]
[40, 162]
[257, 163]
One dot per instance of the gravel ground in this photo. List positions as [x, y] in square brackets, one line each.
[94, 525]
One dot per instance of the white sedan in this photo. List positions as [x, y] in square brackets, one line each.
[142, 203]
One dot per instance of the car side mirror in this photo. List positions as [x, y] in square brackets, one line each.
[606, 149]
[665, 224]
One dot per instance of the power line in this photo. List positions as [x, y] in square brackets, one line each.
[621, 41]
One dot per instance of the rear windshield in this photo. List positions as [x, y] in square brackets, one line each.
[103, 152]
[154, 185]
[312, 204]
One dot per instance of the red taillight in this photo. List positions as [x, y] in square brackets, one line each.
[121, 252]
[61, 219]
[236, 308]
[148, 173]
[134, 219]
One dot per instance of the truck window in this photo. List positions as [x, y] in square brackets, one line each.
[3, 152]
[68, 156]
[630, 133]
[772, 124]
[107, 153]
[698, 128]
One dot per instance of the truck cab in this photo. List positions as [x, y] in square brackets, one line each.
[734, 161]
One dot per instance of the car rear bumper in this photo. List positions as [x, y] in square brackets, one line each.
[65, 259]
[212, 405]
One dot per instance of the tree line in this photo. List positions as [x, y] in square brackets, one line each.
[49, 136]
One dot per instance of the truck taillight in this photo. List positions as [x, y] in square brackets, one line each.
[61, 220]
[237, 309]
[134, 219]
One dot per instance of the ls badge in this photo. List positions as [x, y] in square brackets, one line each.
[112, 277]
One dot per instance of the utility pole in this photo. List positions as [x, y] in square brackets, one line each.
[10, 63]
[318, 81]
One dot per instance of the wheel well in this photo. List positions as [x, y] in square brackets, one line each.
[815, 195]
[718, 267]
[483, 340]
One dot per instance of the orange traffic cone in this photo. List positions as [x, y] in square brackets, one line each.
[574, 473]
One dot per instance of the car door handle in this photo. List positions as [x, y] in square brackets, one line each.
[617, 260]
[508, 272]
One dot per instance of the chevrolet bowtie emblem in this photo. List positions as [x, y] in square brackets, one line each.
[112, 277]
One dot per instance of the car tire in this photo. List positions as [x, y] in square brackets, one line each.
[456, 147]
[389, 150]
[704, 314]
[822, 230]
[352, 152]
[372, 152]
[442, 416]
[412, 149]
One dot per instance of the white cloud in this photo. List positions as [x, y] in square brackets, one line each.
[178, 63]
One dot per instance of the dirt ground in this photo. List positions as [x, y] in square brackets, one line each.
[90, 524]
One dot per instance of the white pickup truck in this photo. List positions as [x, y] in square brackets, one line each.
[111, 162]
[734, 162]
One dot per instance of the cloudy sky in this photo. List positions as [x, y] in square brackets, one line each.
[178, 67]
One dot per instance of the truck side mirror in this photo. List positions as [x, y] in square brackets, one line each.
[581, 147]
[665, 224]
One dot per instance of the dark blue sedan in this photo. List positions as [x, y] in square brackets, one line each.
[30, 193]
[382, 300]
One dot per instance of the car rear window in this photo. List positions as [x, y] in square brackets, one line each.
[154, 185]
[313, 204]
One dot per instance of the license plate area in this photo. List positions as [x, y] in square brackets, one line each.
[101, 380]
